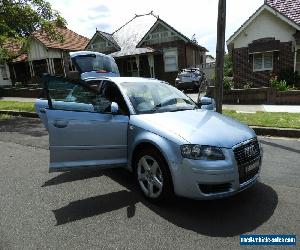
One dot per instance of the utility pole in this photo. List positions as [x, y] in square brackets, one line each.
[220, 51]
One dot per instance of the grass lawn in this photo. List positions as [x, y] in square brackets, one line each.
[267, 119]
[18, 106]
[264, 119]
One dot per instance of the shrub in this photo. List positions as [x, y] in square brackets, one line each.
[228, 83]
[289, 76]
[19, 85]
[280, 85]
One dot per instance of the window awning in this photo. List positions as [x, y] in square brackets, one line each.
[264, 45]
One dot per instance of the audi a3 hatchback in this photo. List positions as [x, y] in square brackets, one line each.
[170, 143]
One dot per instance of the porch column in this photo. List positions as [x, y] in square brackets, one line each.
[48, 65]
[137, 61]
[31, 69]
[52, 66]
[14, 71]
[151, 65]
[66, 61]
[63, 64]
[295, 59]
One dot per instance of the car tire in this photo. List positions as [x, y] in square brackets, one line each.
[153, 176]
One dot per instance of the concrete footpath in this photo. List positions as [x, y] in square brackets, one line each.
[256, 108]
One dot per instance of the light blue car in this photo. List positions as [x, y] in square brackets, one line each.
[154, 130]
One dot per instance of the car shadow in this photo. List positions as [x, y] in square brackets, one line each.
[276, 145]
[23, 125]
[73, 176]
[218, 218]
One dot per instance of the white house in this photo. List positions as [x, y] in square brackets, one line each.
[45, 55]
[268, 42]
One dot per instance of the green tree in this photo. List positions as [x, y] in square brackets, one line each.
[228, 71]
[19, 18]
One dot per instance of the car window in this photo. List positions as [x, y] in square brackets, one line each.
[112, 93]
[67, 94]
[155, 96]
[91, 96]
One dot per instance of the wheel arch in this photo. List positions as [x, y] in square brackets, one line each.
[156, 142]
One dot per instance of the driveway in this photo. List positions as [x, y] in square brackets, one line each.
[104, 210]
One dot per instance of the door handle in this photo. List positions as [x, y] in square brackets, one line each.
[42, 110]
[60, 124]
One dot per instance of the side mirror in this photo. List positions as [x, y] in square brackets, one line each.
[207, 103]
[114, 108]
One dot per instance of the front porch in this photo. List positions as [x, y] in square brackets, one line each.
[137, 66]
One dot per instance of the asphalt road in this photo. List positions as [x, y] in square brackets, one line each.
[104, 210]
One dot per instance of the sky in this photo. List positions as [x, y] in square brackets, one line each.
[190, 17]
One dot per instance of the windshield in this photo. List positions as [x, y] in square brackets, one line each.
[101, 64]
[152, 97]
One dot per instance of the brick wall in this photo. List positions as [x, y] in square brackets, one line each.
[243, 65]
[263, 95]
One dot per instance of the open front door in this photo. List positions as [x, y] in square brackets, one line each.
[82, 131]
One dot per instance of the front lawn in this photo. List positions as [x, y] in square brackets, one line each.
[18, 106]
[264, 119]
[267, 119]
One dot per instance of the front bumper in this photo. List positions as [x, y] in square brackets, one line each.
[204, 180]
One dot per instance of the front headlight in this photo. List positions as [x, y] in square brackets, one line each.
[198, 152]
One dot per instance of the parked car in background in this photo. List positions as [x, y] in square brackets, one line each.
[170, 143]
[190, 78]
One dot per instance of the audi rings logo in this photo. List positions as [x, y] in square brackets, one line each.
[250, 151]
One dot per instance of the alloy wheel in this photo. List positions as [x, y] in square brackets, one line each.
[150, 176]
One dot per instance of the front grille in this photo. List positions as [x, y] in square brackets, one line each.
[242, 157]
[245, 155]
[216, 188]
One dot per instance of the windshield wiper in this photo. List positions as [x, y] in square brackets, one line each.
[182, 109]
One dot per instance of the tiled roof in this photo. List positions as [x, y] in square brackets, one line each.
[110, 38]
[20, 58]
[13, 46]
[71, 40]
[288, 8]
[179, 33]
[131, 33]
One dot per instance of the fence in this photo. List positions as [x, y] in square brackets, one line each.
[259, 96]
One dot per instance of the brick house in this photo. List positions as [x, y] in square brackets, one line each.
[46, 56]
[269, 41]
[147, 46]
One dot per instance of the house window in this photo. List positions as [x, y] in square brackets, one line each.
[155, 36]
[171, 60]
[132, 67]
[3, 72]
[263, 61]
